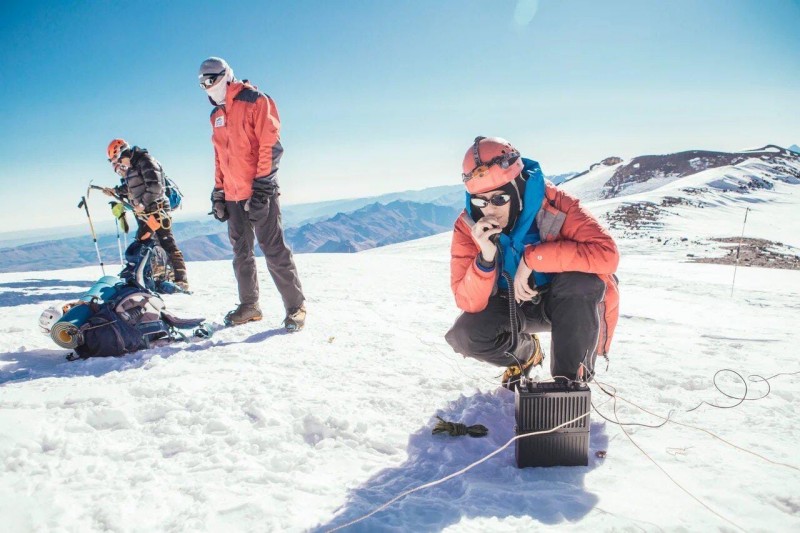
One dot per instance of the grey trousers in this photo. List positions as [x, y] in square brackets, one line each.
[264, 225]
[568, 309]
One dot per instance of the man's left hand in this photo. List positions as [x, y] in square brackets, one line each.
[263, 190]
[522, 291]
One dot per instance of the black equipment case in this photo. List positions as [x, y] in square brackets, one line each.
[544, 405]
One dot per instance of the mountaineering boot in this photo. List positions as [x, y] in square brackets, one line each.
[513, 374]
[243, 314]
[295, 319]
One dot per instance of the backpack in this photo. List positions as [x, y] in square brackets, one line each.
[142, 310]
[106, 334]
[173, 193]
[147, 267]
[131, 321]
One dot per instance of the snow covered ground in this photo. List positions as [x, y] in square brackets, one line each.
[254, 430]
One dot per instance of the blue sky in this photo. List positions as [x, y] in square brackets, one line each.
[378, 96]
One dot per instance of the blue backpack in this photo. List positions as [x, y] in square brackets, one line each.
[173, 193]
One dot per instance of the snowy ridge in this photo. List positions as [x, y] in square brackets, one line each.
[613, 177]
[589, 186]
[253, 430]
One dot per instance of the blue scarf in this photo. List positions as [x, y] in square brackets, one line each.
[525, 231]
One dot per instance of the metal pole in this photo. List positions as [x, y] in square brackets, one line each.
[119, 243]
[738, 249]
[85, 206]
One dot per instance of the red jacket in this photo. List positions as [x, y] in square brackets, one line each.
[246, 138]
[572, 241]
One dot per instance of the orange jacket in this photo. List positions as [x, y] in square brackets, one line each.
[246, 138]
[572, 241]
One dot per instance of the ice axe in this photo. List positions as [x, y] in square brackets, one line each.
[152, 222]
[111, 192]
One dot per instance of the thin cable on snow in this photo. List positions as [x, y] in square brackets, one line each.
[454, 474]
[702, 429]
[689, 493]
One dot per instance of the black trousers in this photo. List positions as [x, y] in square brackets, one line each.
[167, 241]
[244, 227]
[568, 309]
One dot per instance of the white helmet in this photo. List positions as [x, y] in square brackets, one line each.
[48, 318]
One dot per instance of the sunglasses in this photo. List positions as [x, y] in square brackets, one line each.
[503, 161]
[496, 200]
[209, 80]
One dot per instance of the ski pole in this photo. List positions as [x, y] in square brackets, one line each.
[119, 244]
[85, 206]
[738, 249]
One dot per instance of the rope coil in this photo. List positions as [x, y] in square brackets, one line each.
[454, 429]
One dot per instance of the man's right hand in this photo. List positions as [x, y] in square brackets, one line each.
[482, 232]
[218, 207]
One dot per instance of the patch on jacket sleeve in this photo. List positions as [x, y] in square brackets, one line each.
[248, 95]
[219, 122]
[549, 221]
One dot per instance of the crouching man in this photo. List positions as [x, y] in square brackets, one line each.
[559, 259]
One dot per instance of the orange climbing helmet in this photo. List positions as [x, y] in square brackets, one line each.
[490, 163]
[116, 148]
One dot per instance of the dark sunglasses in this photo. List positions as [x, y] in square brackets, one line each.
[209, 80]
[497, 200]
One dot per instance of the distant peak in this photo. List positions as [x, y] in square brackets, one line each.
[608, 162]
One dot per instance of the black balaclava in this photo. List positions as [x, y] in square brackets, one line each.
[516, 190]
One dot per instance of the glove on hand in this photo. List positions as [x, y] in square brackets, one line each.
[218, 207]
[117, 208]
[263, 190]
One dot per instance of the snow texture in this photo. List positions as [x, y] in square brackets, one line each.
[256, 430]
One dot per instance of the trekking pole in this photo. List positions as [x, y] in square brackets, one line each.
[738, 249]
[127, 205]
[119, 243]
[85, 206]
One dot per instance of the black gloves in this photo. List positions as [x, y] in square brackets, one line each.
[218, 208]
[263, 190]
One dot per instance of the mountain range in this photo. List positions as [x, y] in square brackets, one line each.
[361, 223]
[613, 177]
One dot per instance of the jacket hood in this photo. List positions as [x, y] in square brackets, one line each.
[512, 243]
[531, 189]
[234, 88]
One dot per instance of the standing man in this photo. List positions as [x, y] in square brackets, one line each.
[247, 149]
[144, 187]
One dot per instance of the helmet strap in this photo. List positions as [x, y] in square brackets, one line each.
[475, 154]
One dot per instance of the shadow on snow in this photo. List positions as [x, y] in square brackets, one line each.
[38, 364]
[35, 291]
[45, 283]
[496, 488]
